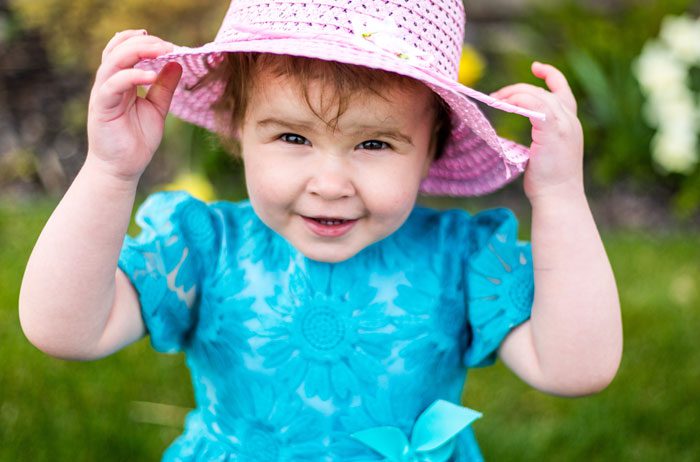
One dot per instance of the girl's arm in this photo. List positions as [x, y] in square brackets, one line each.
[572, 345]
[74, 303]
[71, 303]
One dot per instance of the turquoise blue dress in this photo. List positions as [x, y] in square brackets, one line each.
[297, 360]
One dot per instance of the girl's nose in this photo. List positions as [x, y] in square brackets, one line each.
[330, 179]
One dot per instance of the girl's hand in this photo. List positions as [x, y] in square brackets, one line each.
[556, 153]
[124, 130]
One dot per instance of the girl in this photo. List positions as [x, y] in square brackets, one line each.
[329, 317]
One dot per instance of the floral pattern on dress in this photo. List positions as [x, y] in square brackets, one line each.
[260, 244]
[166, 265]
[439, 307]
[197, 226]
[264, 425]
[501, 289]
[222, 338]
[330, 342]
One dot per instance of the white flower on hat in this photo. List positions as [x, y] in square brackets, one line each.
[385, 35]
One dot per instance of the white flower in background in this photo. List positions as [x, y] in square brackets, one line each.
[668, 108]
[682, 35]
[671, 107]
[657, 69]
[675, 149]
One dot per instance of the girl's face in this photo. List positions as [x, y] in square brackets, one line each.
[331, 193]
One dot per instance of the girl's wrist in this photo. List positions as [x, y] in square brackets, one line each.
[105, 176]
[563, 194]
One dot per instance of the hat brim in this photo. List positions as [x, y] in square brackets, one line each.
[475, 160]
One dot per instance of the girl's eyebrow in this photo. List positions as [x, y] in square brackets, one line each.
[367, 130]
[285, 124]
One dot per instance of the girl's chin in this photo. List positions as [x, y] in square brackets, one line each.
[329, 252]
[330, 256]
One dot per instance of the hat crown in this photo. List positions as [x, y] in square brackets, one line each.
[426, 32]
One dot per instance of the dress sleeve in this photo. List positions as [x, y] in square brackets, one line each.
[500, 283]
[167, 262]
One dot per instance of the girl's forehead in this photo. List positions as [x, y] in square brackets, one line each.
[287, 98]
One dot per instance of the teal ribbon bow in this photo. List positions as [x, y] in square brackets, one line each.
[432, 439]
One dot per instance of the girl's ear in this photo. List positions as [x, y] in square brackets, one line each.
[426, 167]
[432, 151]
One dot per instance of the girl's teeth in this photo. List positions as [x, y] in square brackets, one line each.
[331, 222]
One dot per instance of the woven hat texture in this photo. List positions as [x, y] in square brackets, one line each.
[421, 39]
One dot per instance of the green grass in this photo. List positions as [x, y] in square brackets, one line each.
[56, 410]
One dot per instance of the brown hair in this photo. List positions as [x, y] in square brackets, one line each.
[239, 71]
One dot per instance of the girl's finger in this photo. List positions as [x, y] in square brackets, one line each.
[161, 92]
[554, 105]
[557, 123]
[510, 90]
[111, 93]
[529, 101]
[129, 53]
[120, 37]
[556, 82]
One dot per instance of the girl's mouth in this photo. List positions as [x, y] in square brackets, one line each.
[329, 226]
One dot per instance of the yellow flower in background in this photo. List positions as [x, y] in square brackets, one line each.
[471, 66]
[194, 183]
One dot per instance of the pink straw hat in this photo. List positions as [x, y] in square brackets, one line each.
[421, 39]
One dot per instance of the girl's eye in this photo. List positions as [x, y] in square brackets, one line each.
[373, 145]
[294, 138]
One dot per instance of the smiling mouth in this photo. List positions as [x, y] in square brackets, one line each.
[329, 227]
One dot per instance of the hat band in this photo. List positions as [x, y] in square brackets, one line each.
[368, 38]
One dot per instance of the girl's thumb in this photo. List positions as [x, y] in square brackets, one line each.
[161, 92]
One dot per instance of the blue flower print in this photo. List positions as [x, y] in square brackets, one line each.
[329, 340]
[436, 301]
[262, 424]
[501, 290]
[261, 244]
[221, 337]
[388, 406]
[197, 226]
[502, 274]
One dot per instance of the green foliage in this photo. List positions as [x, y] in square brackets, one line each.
[76, 31]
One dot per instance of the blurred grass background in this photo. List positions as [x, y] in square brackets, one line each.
[108, 410]
[51, 410]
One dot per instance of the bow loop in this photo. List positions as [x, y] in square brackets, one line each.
[432, 439]
[440, 423]
[387, 441]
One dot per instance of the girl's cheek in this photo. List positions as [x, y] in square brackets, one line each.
[271, 176]
[391, 196]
